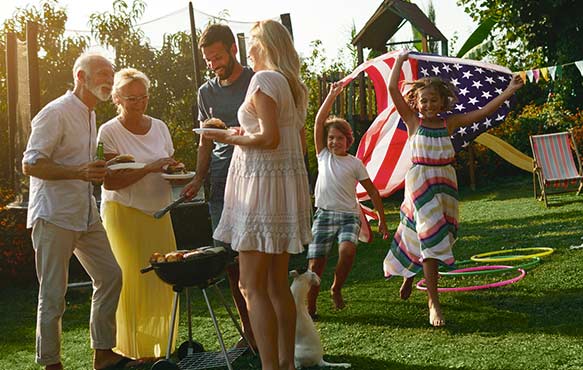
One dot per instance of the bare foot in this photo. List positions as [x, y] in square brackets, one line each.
[406, 288]
[436, 317]
[337, 299]
[58, 366]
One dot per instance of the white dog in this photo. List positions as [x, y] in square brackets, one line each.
[309, 350]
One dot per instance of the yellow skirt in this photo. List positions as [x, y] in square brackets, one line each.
[145, 304]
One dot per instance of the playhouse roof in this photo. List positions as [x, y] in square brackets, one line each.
[387, 20]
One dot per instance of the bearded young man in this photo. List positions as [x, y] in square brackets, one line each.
[62, 213]
[220, 98]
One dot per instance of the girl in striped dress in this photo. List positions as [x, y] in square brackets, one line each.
[429, 213]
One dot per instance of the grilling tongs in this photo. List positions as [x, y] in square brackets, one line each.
[169, 207]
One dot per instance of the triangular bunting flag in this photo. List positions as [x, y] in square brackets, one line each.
[536, 74]
[559, 72]
[530, 75]
[552, 71]
[579, 65]
[545, 73]
[523, 76]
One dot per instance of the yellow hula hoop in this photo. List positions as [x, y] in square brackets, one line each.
[483, 257]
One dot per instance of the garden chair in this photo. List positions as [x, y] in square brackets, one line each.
[554, 163]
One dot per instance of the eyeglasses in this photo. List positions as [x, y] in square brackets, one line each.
[134, 99]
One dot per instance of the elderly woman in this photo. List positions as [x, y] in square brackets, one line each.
[129, 199]
[267, 209]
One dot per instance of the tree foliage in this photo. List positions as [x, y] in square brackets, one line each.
[169, 68]
[477, 40]
[57, 51]
[538, 33]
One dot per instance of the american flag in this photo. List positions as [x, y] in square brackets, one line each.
[384, 148]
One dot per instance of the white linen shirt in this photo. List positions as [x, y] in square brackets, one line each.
[63, 131]
[337, 180]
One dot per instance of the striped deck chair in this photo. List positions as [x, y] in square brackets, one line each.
[554, 163]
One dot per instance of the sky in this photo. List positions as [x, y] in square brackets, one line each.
[327, 20]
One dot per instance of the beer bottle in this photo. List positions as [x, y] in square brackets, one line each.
[100, 155]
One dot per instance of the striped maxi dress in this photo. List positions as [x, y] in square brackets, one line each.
[429, 212]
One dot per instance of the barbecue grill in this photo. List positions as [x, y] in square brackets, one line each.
[201, 270]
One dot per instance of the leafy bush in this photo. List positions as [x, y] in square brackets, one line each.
[16, 252]
[533, 119]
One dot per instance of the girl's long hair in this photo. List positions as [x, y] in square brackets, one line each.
[444, 88]
[278, 53]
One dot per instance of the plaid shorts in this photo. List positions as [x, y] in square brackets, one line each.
[328, 225]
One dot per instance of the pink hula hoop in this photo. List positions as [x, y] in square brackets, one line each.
[421, 286]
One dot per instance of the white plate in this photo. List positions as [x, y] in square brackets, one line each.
[178, 176]
[126, 166]
[201, 130]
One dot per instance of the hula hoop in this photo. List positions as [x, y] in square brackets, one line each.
[456, 265]
[420, 285]
[460, 264]
[483, 257]
[535, 261]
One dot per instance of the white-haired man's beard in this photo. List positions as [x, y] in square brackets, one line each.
[98, 91]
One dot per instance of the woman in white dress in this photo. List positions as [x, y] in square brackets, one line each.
[267, 209]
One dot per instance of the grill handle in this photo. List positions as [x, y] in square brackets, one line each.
[147, 269]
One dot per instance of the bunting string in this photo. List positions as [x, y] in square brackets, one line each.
[550, 73]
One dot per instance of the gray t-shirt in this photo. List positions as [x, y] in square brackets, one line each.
[225, 102]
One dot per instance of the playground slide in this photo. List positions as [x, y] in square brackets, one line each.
[506, 151]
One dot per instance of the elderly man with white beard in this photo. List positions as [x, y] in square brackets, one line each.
[60, 160]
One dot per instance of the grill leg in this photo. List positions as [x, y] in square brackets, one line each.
[172, 322]
[189, 312]
[235, 321]
[215, 323]
[190, 350]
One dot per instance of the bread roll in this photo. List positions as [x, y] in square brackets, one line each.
[175, 169]
[122, 158]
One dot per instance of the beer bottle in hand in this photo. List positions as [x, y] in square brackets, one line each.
[99, 156]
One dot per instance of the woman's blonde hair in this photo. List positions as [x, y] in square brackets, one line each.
[341, 125]
[126, 76]
[278, 53]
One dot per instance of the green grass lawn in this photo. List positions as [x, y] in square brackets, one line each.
[533, 324]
